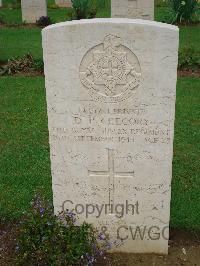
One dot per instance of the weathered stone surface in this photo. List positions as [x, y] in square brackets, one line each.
[143, 9]
[64, 3]
[1, 4]
[32, 10]
[111, 86]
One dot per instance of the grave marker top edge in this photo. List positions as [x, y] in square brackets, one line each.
[112, 21]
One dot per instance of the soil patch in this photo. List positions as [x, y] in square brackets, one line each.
[189, 73]
[8, 233]
[26, 74]
[184, 250]
[29, 74]
[19, 26]
[181, 73]
[190, 24]
[34, 25]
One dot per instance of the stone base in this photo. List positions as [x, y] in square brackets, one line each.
[32, 10]
[63, 3]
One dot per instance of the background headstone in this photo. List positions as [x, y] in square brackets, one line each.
[32, 10]
[64, 3]
[111, 88]
[143, 9]
[1, 4]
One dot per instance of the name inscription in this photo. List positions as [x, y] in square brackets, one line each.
[111, 126]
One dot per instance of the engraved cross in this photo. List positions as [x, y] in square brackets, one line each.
[109, 70]
[111, 175]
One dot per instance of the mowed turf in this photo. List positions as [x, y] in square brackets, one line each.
[14, 16]
[24, 149]
[16, 42]
[185, 207]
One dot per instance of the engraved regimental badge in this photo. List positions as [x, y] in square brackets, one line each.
[110, 71]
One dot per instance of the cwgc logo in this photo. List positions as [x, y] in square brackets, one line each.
[110, 71]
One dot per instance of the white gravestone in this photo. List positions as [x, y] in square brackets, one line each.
[64, 3]
[143, 9]
[32, 10]
[111, 87]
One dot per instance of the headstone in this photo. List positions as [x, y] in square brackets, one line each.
[142, 9]
[111, 87]
[32, 10]
[1, 4]
[64, 3]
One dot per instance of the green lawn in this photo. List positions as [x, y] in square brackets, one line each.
[24, 148]
[190, 37]
[11, 2]
[12, 16]
[185, 212]
[25, 165]
[17, 41]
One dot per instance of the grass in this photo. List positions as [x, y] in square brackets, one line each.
[185, 209]
[25, 165]
[13, 2]
[14, 16]
[190, 37]
[163, 14]
[17, 41]
[24, 149]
